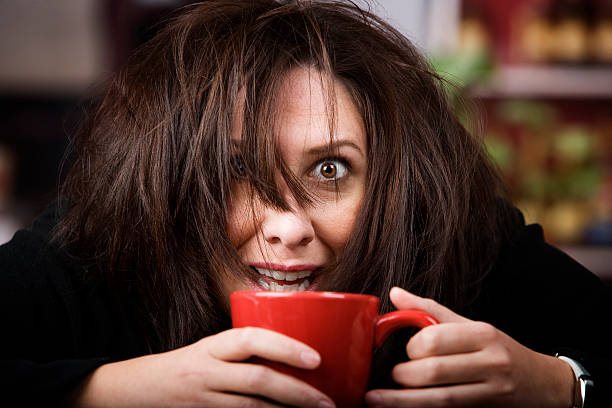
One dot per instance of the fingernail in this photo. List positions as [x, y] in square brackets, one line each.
[325, 404]
[374, 398]
[310, 358]
[395, 289]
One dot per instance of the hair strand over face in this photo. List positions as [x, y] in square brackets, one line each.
[147, 198]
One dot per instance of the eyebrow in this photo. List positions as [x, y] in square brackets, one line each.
[318, 150]
[335, 145]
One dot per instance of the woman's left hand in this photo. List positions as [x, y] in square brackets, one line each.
[464, 363]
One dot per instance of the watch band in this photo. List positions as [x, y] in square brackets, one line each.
[583, 385]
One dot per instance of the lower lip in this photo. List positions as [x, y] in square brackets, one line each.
[313, 286]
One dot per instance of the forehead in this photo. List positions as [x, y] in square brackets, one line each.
[306, 107]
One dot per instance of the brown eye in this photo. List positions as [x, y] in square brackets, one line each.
[330, 170]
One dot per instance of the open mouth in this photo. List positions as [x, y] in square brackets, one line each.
[280, 281]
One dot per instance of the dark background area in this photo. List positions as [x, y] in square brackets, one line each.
[36, 124]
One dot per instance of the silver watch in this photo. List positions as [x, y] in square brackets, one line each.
[583, 387]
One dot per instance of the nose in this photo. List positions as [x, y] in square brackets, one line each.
[292, 228]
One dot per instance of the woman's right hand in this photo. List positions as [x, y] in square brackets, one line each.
[209, 373]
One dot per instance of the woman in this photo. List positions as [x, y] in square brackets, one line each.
[286, 146]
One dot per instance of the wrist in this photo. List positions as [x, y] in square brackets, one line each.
[111, 385]
[97, 389]
[583, 384]
[554, 384]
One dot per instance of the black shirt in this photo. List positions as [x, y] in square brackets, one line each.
[58, 326]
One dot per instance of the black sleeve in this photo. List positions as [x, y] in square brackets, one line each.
[56, 327]
[550, 303]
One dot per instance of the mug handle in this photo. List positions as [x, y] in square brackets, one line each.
[385, 324]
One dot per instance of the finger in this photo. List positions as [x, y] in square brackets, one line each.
[450, 338]
[403, 299]
[240, 344]
[471, 395]
[255, 379]
[445, 370]
[234, 400]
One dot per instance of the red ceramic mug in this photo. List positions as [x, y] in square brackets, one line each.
[344, 328]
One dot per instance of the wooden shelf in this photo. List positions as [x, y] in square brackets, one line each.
[534, 81]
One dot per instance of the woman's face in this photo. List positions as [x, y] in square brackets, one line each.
[289, 249]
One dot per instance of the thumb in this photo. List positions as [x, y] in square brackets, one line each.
[403, 299]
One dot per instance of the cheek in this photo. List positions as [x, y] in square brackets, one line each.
[240, 226]
[335, 222]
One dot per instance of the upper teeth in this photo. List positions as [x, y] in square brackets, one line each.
[286, 276]
[300, 287]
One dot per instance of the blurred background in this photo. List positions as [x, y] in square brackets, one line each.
[540, 71]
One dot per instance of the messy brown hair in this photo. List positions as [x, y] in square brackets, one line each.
[146, 200]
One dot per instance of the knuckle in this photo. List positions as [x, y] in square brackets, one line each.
[204, 343]
[304, 398]
[250, 403]
[444, 398]
[257, 377]
[505, 373]
[484, 331]
[503, 363]
[423, 344]
[429, 342]
[507, 389]
[429, 304]
[433, 371]
[245, 337]
[205, 399]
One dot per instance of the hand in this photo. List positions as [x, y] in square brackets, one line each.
[463, 363]
[208, 373]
